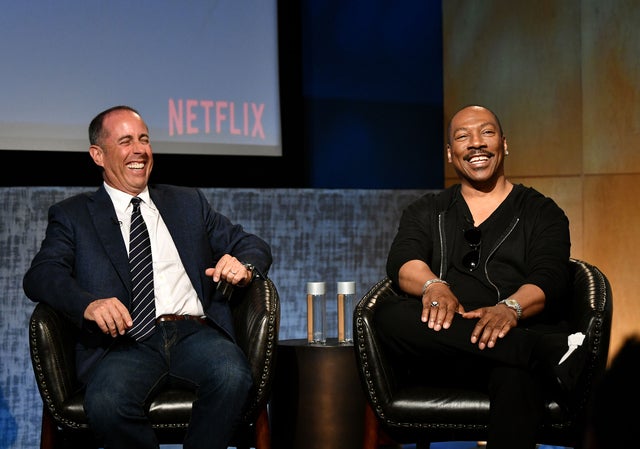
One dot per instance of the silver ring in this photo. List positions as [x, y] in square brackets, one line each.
[233, 272]
[434, 303]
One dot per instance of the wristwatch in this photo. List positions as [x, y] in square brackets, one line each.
[513, 304]
[251, 269]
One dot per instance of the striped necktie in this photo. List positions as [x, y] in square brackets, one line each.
[143, 308]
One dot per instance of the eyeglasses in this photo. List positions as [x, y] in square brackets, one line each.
[473, 237]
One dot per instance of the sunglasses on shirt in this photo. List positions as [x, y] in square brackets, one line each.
[473, 237]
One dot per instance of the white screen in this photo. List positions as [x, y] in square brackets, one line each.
[202, 73]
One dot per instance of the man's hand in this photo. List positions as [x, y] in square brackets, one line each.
[439, 305]
[495, 322]
[111, 316]
[231, 270]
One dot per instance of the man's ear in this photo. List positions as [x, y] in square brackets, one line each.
[449, 153]
[97, 155]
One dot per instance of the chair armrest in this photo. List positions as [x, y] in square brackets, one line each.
[256, 316]
[52, 349]
[375, 372]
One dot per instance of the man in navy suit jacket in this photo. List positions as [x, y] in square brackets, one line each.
[82, 270]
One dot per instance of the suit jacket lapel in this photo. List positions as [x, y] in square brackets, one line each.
[106, 223]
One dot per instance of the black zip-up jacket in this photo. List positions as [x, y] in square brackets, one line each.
[525, 241]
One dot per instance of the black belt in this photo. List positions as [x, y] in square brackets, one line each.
[172, 317]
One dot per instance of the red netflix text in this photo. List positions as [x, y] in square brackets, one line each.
[219, 117]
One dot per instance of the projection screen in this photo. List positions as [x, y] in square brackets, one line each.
[203, 73]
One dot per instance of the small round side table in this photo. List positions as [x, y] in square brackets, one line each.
[317, 401]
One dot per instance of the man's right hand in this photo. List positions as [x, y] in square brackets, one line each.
[111, 316]
[439, 305]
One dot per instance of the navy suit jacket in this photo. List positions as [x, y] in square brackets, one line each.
[83, 258]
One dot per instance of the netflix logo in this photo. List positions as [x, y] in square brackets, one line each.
[187, 117]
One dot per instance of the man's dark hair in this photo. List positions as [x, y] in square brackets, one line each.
[95, 127]
[495, 116]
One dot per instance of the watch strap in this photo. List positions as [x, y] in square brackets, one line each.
[513, 304]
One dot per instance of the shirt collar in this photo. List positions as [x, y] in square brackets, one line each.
[121, 200]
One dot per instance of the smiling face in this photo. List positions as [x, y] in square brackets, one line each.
[124, 151]
[476, 146]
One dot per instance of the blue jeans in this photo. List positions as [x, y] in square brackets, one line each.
[180, 353]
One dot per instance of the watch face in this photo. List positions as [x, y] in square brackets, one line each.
[513, 304]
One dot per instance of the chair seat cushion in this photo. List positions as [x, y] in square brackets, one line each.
[170, 408]
[413, 405]
[420, 404]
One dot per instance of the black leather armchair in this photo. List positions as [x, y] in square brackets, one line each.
[256, 312]
[397, 413]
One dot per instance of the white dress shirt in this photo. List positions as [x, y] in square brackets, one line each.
[173, 290]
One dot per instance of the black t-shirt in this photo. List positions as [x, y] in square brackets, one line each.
[471, 286]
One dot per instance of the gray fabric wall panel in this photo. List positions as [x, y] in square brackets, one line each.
[315, 234]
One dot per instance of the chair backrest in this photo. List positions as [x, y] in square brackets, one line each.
[591, 312]
[256, 314]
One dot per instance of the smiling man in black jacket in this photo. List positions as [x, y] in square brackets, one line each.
[484, 265]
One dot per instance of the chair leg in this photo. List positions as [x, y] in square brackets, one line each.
[375, 437]
[371, 428]
[48, 431]
[263, 430]
[386, 441]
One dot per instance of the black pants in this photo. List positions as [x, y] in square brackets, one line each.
[511, 372]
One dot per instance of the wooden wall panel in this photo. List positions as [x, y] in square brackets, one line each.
[611, 86]
[522, 60]
[612, 242]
